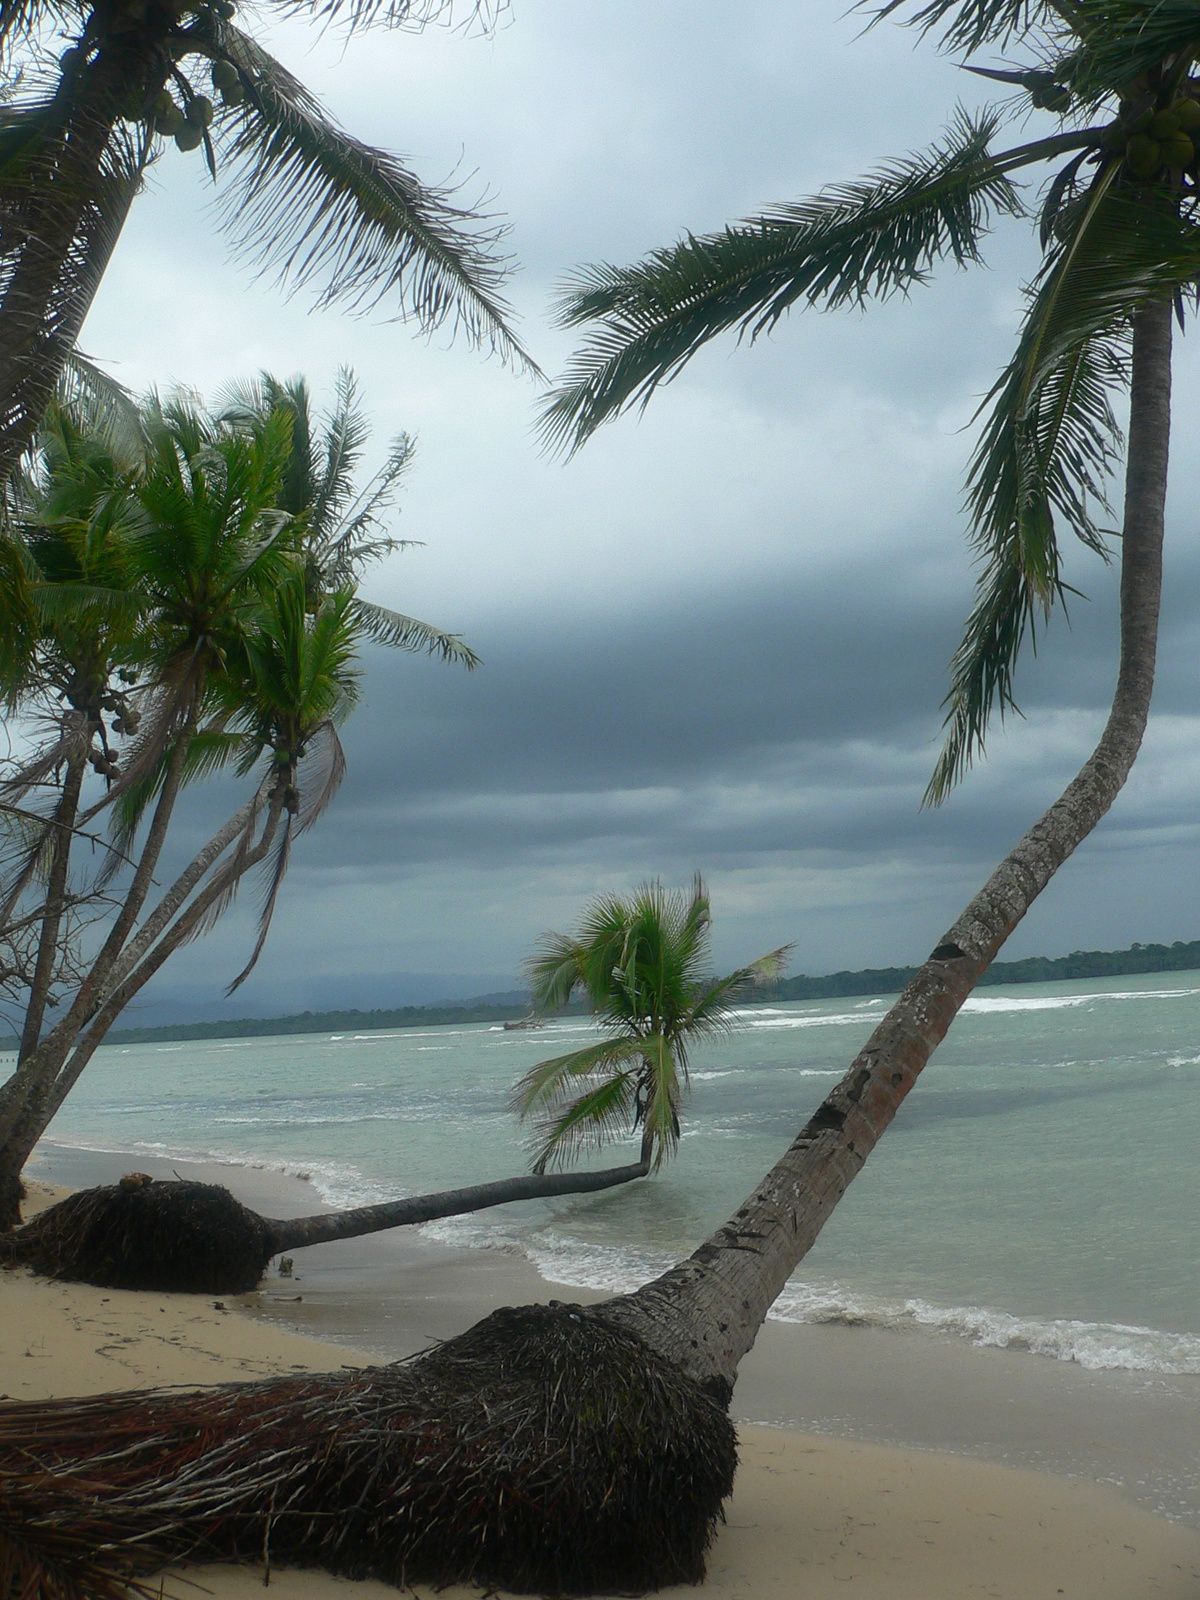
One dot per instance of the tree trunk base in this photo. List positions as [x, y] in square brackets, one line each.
[12, 1193]
[545, 1451]
[189, 1238]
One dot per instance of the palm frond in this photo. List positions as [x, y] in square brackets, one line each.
[598, 1115]
[710, 1011]
[553, 972]
[99, 226]
[1051, 442]
[1120, 39]
[864, 240]
[659, 1095]
[105, 408]
[322, 772]
[968, 25]
[409, 14]
[315, 206]
[276, 872]
[552, 1082]
[398, 632]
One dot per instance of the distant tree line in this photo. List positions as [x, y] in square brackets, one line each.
[1178, 957]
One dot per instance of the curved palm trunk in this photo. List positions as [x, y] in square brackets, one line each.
[296, 1232]
[705, 1313]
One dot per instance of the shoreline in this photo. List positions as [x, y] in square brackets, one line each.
[391, 1294]
[809, 1509]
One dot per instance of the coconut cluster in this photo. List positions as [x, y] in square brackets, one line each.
[1158, 141]
[186, 123]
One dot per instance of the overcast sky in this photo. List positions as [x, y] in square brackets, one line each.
[717, 639]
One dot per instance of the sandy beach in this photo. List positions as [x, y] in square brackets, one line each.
[812, 1514]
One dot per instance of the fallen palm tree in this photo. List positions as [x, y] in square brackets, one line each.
[196, 1237]
[546, 1450]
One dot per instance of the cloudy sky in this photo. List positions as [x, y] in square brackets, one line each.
[717, 639]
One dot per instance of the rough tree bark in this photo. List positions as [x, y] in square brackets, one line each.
[705, 1313]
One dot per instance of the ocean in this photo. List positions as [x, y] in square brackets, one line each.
[1039, 1190]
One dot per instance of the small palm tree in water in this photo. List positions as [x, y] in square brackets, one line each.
[644, 964]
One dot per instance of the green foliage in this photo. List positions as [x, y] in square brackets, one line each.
[1118, 229]
[853, 242]
[643, 964]
[188, 584]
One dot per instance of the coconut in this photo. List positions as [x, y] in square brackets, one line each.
[188, 136]
[234, 95]
[1187, 114]
[1178, 151]
[1143, 155]
[224, 74]
[1163, 124]
[166, 123]
[199, 111]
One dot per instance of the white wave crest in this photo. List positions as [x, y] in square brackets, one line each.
[1097, 1346]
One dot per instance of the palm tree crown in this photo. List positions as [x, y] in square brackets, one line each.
[644, 965]
[1118, 227]
[300, 199]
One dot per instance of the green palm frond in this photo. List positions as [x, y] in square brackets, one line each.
[346, 433]
[868, 239]
[398, 632]
[659, 1094]
[1051, 442]
[314, 205]
[968, 25]
[551, 1083]
[554, 972]
[104, 408]
[1119, 39]
[710, 1011]
[594, 1118]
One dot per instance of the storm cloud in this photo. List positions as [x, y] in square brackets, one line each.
[717, 639]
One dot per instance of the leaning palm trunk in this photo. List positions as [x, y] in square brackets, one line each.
[195, 1237]
[705, 1313]
[294, 1233]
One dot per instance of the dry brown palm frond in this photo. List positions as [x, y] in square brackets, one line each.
[545, 1450]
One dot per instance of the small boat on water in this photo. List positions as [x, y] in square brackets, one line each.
[518, 1023]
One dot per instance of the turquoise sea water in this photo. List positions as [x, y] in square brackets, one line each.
[1040, 1188]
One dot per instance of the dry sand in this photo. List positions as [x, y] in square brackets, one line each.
[812, 1517]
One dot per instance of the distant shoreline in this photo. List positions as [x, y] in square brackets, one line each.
[1137, 959]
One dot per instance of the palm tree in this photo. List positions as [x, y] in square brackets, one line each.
[300, 197]
[341, 528]
[230, 657]
[644, 965]
[1121, 252]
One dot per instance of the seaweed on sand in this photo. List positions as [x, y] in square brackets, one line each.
[545, 1450]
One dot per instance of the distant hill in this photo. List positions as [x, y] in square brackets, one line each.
[1177, 957]
[510, 1005]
